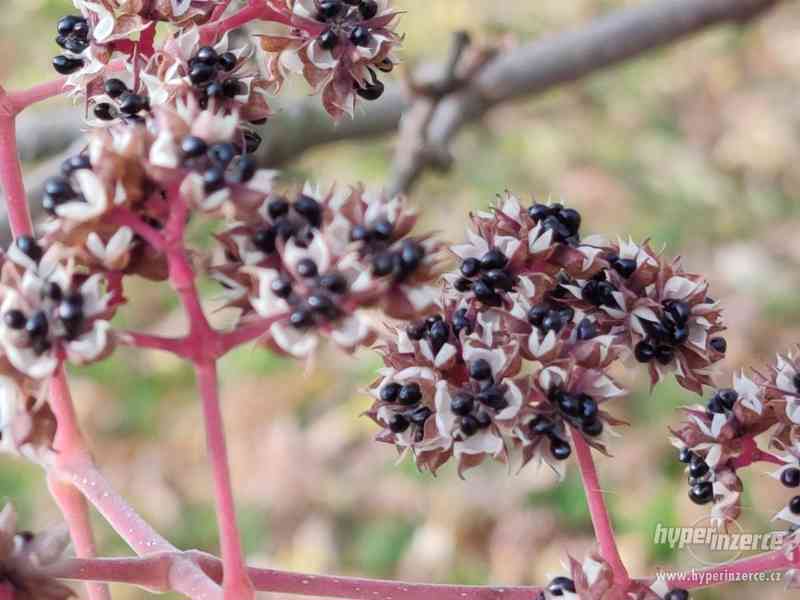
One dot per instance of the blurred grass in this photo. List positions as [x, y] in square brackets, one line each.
[694, 146]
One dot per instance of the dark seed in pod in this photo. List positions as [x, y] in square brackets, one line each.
[644, 352]
[714, 406]
[411, 254]
[462, 285]
[201, 73]
[624, 266]
[484, 419]
[207, 55]
[537, 212]
[470, 267]
[370, 91]
[698, 467]
[416, 331]
[301, 318]
[251, 141]
[461, 404]
[37, 325]
[281, 287]
[559, 585]
[75, 45]
[536, 314]
[383, 230]
[308, 208]
[213, 179]
[664, 354]
[702, 493]
[571, 219]
[789, 477]
[278, 208]
[336, 283]
[398, 424]
[28, 246]
[75, 163]
[559, 449]
[677, 594]
[328, 40]
[193, 146]
[245, 169]
[359, 233]
[383, 264]
[49, 204]
[132, 104]
[794, 505]
[480, 370]
[592, 427]
[115, 87]
[306, 268]
[420, 415]
[461, 321]
[439, 334]
[499, 279]
[14, 319]
[469, 425]
[685, 455]
[588, 407]
[264, 240]
[227, 61]
[389, 392]
[232, 88]
[410, 394]
[493, 396]
[67, 23]
[586, 329]
[386, 65]
[53, 291]
[727, 397]
[222, 154]
[486, 294]
[552, 321]
[494, 259]
[105, 112]
[328, 9]
[679, 335]
[360, 36]
[678, 311]
[65, 65]
[368, 9]
[567, 314]
[215, 90]
[59, 188]
[719, 344]
[541, 425]
[569, 404]
[322, 304]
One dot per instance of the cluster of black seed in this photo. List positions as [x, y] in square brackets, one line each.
[664, 336]
[472, 403]
[290, 220]
[387, 259]
[624, 266]
[207, 72]
[318, 303]
[790, 478]
[216, 162]
[598, 291]
[437, 331]
[580, 409]
[67, 307]
[406, 398]
[126, 104]
[722, 401]
[486, 277]
[73, 36]
[701, 487]
[58, 189]
[565, 223]
[548, 316]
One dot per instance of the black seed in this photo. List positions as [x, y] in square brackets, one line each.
[75, 163]
[461, 321]
[480, 370]
[486, 294]
[245, 169]
[207, 55]
[386, 65]
[76, 45]
[222, 154]
[215, 90]
[133, 104]
[71, 315]
[264, 240]
[552, 321]
[67, 23]
[719, 344]
[678, 312]
[360, 36]
[559, 585]
[592, 427]
[494, 259]
[389, 392]
[59, 188]
[416, 331]
[307, 268]
[213, 179]
[541, 426]
[251, 141]
[258, 121]
[588, 407]
[685, 455]
[398, 424]
[790, 477]
[40, 345]
[559, 449]
[567, 314]
[727, 397]
[420, 415]
[322, 304]
[301, 318]
[53, 291]
[470, 267]
[193, 146]
[309, 209]
[409, 394]
[328, 40]
[714, 406]
[469, 425]
[439, 334]
[115, 87]
[493, 396]
[37, 325]
[537, 212]
[228, 62]
[61, 41]
[328, 9]
[29, 247]
[702, 493]
[75, 299]
[383, 230]
[664, 354]
[794, 505]
[201, 73]
[624, 266]
[65, 65]
[461, 404]
[569, 404]
[49, 204]
[370, 91]
[463, 284]
[359, 233]
[335, 283]
[560, 231]
[383, 264]
[105, 112]
[679, 335]
[368, 9]
[499, 279]
[277, 208]
[432, 320]
[14, 319]
[677, 594]
[232, 88]
[698, 467]
[411, 254]
[571, 219]
[537, 314]
[281, 287]
[586, 329]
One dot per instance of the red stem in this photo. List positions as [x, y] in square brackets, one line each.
[11, 176]
[255, 11]
[124, 217]
[604, 532]
[24, 98]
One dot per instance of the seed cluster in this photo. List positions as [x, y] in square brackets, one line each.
[406, 399]
[437, 331]
[701, 487]
[665, 335]
[290, 220]
[487, 277]
[599, 292]
[722, 402]
[58, 189]
[547, 317]
[73, 37]
[216, 162]
[125, 103]
[474, 401]
[317, 306]
[376, 241]
[58, 305]
[208, 73]
[565, 223]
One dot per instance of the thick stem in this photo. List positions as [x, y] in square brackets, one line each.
[236, 583]
[11, 177]
[24, 98]
[601, 521]
[254, 11]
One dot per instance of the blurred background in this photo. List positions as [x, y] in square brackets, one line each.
[695, 146]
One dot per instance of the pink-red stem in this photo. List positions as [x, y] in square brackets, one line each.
[11, 177]
[604, 532]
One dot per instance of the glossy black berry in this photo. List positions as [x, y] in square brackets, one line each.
[462, 285]
[232, 88]
[227, 61]
[359, 233]
[213, 179]
[480, 370]
[370, 91]
[383, 264]
[201, 73]
[552, 321]
[301, 318]
[222, 154]
[677, 594]
[132, 104]
[685, 455]
[215, 90]
[252, 141]
[29, 247]
[664, 354]
[493, 396]
[306, 268]
[588, 407]
[624, 266]
[411, 255]
[58, 188]
[494, 259]
[416, 331]
[193, 146]
[789, 477]
[679, 335]
[409, 394]
[571, 219]
[541, 425]
[702, 493]
[245, 169]
[498, 279]
[281, 286]
[360, 36]
[70, 312]
[486, 294]
[592, 427]
[328, 9]
[439, 334]
[65, 65]
[75, 163]
[461, 321]
[383, 230]
[727, 397]
[469, 425]
[115, 87]
[368, 9]
[569, 404]
[53, 291]
[335, 283]
[470, 267]
[559, 585]
[678, 312]
[328, 40]
[309, 209]
[14, 319]
[586, 329]
[67, 23]
[559, 449]
[105, 112]
[719, 344]
[536, 314]
[698, 467]
[398, 424]
[81, 29]
[537, 212]
[37, 325]
[462, 404]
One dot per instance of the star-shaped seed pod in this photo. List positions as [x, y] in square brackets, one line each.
[339, 47]
[27, 425]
